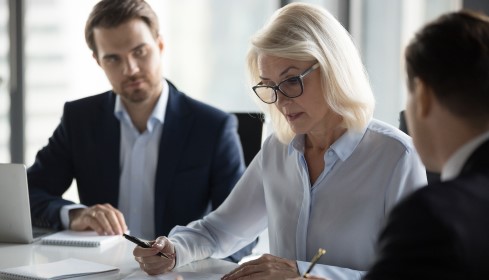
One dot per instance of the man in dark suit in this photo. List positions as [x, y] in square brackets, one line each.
[442, 230]
[145, 156]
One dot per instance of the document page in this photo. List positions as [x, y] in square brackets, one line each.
[172, 275]
[67, 268]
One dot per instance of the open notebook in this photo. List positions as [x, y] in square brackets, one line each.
[63, 269]
[79, 239]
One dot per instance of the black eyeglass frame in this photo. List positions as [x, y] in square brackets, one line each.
[300, 77]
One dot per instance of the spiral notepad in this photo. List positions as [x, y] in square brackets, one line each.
[63, 269]
[79, 239]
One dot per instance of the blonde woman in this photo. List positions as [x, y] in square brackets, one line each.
[328, 175]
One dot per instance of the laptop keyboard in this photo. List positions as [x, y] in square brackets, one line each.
[38, 232]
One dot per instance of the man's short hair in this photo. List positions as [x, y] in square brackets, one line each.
[451, 55]
[112, 13]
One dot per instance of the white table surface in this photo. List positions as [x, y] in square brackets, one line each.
[118, 254]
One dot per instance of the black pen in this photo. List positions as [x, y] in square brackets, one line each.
[314, 260]
[145, 244]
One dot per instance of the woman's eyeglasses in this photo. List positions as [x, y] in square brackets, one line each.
[292, 87]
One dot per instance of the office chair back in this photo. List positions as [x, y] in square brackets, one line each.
[250, 129]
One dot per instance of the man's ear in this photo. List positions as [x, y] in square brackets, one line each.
[94, 55]
[161, 44]
[423, 97]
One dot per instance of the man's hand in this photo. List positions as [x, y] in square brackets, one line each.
[102, 218]
[265, 267]
[150, 262]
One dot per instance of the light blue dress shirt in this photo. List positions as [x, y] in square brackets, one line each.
[366, 173]
[138, 162]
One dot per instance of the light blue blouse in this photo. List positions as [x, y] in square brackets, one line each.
[366, 173]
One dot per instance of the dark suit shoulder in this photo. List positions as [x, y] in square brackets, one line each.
[451, 203]
[93, 101]
[92, 109]
[453, 195]
[414, 243]
[439, 231]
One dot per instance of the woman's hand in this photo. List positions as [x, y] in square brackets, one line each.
[150, 262]
[265, 267]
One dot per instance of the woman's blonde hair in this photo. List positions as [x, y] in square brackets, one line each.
[306, 32]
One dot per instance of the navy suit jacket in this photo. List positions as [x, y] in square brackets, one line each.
[200, 160]
[442, 230]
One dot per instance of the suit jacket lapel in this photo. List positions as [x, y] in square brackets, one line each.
[108, 150]
[176, 129]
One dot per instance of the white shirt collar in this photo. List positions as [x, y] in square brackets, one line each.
[456, 162]
[158, 114]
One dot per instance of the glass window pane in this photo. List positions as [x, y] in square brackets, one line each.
[206, 44]
[59, 66]
[205, 48]
[4, 93]
[382, 37]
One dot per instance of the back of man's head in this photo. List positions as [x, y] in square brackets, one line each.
[451, 56]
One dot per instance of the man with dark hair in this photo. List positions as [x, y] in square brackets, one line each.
[442, 231]
[145, 156]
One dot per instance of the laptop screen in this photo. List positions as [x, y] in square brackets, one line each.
[15, 216]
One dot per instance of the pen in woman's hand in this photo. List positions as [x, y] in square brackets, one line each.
[314, 260]
[146, 244]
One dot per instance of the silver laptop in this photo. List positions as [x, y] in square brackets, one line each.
[15, 215]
